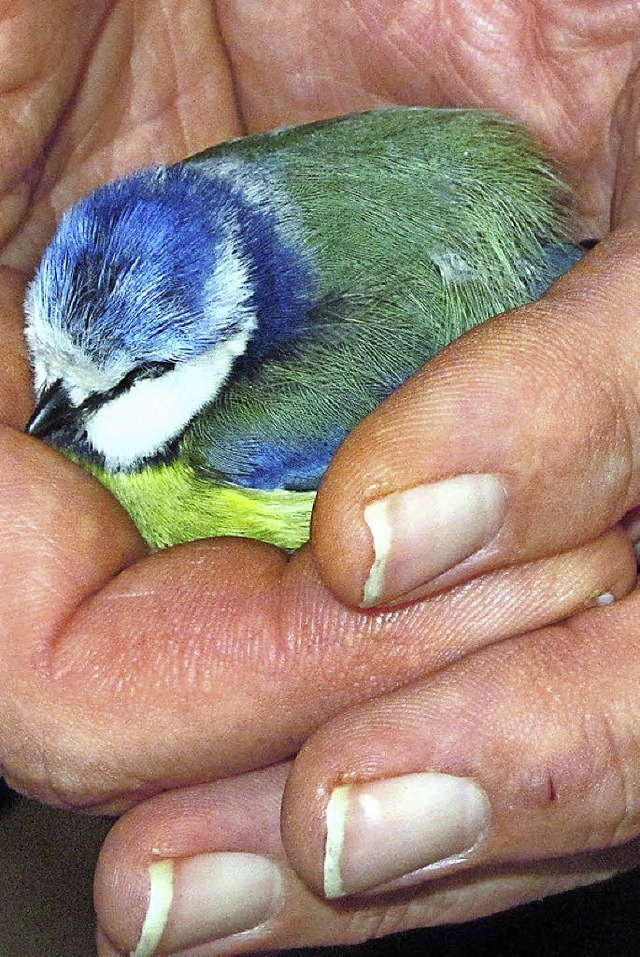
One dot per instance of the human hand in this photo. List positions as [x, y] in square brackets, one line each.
[508, 775]
[85, 703]
[112, 645]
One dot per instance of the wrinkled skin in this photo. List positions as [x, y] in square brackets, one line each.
[124, 675]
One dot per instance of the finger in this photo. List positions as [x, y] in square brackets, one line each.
[626, 198]
[124, 88]
[15, 375]
[220, 640]
[518, 441]
[203, 872]
[199, 634]
[524, 751]
[63, 537]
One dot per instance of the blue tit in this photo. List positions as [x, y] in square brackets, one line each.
[204, 335]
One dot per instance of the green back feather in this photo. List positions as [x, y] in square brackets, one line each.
[422, 222]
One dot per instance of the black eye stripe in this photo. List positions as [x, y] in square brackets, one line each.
[149, 370]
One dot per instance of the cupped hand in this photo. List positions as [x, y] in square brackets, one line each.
[125, 673]
[507, 775]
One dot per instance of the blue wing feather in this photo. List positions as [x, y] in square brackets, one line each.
[556, 259]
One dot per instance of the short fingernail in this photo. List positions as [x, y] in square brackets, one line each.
[383, 830]
[424, 531]
[201, 899]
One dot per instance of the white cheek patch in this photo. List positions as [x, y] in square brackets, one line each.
[139, 423]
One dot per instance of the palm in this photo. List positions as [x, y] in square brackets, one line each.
[119, 85]
[127, 84]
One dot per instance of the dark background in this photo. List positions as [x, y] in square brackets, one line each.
[46, 864]
[601, 921]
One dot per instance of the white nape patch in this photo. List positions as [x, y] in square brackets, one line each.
[140, 422]
[227, 292]
[54, 356]
[261, 188]
[256, 184]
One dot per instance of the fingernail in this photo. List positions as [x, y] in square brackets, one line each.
[160, 897]
[424, 531]
[383, 830]
[201, 899]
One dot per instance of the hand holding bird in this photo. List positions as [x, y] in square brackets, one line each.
[102, 653]
[205, 335]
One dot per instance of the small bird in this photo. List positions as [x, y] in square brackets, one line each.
[204, 335]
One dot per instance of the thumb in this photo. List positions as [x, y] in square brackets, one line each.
[518, 441]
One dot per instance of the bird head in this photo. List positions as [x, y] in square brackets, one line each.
[140, 306]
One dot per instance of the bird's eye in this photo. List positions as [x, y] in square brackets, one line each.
[151, 370]
[146, 370]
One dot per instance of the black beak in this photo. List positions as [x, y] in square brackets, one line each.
[53, 412]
